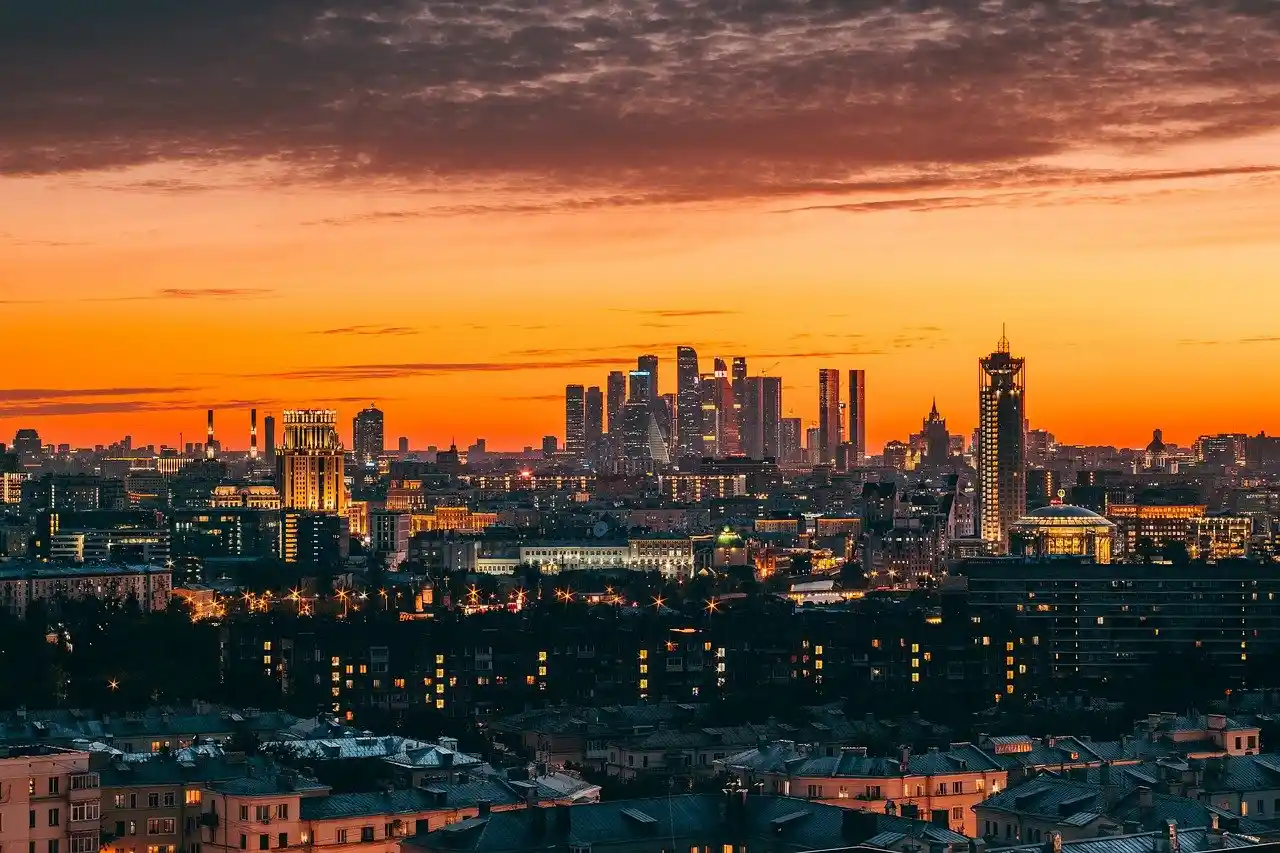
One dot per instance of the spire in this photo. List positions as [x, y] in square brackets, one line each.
[933, 413]
[1003, 346]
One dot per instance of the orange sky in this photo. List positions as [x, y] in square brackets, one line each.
[1138, 281]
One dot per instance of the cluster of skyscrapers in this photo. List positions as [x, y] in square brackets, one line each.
[630, 426]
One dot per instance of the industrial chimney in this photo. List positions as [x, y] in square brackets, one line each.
[253, 433]
[208, 444]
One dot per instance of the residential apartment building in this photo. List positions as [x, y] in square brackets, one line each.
[49, 800]
[23, 583]
[934, 783]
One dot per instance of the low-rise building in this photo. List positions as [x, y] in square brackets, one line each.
[23, 583]
[949, 782]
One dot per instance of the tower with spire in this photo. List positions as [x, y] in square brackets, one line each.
[937, 440]
[1002, 443]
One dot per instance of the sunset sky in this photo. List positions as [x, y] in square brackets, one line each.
[456, 208]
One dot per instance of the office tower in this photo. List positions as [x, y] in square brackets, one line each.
[550, 444]
[762, 418]
[720, 435]
[666, 409]
[253, 433]
[791, 432]
[858, 414]
[640, 387]
[688, 404]
[1002, 443]
[575, 420]
[269, 436]
[208, 444]
[593, 418]
[368, 438]
[828, 416]
[738, 381]
[309, 464]
[649, 364]
[615, 399]
[813, 445]
[402, 444]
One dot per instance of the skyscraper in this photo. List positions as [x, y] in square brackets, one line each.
[593, 419]
[649, 364]
[738, 380]
[688, 404]
[640, 387]
[1002, 443]
[858, 414]
[575, 420]
[720, 435]
[309, 469]
[791, 432]
[616, 391]
[937, 441]
[828, 416]
[368, 436]
[762, 418]
[269, 437]
[210, 447]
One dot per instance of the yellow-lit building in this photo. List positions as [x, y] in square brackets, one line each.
[257, 496]
[358, 518]
[1156, 525]
[406, 496]
[310, 462]
[1062, 529]
[778, 526]
[1220, 537]
[838, 526]
[691, 488]
[11, 488]
[453, 518]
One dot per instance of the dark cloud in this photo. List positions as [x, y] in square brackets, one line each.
[369, 331]
[9, 395]
[189, 293]
[588, 103]
[363, 372]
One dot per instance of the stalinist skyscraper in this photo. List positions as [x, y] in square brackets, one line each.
[1002, 443]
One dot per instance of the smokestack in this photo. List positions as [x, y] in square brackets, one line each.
[208, 444]
[253, 433]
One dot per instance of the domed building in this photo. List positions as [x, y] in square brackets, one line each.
[730, 549]
[1062, 529]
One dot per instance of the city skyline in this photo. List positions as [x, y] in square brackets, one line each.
[898, 182]
[238, 437]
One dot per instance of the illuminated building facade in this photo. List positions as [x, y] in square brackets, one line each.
[858, 414]
[828, 416]
[527, 481]
[691, 488]
[453, 518]
[688, 404]
[1002, 444]
[406, 496]
[1061, 529]
[720, 436]
[791, 432]
[1220, 536]
[310, 463]
[253, 496]
[895, 455]
[368, 435]
[1140, 526]
[313, 538]
[575, 420]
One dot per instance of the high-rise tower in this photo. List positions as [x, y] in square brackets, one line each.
[649, 364]
[828, 416]
[720, 435]
[575, 420]
[593, 419]
[210, 449]
[269, 437]
[616, 398]
[762, 418]
[858, 415]
[368, 435]
[688, 404]
[1002, 443]
[310, 462]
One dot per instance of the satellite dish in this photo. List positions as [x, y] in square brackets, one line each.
[600, 529]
